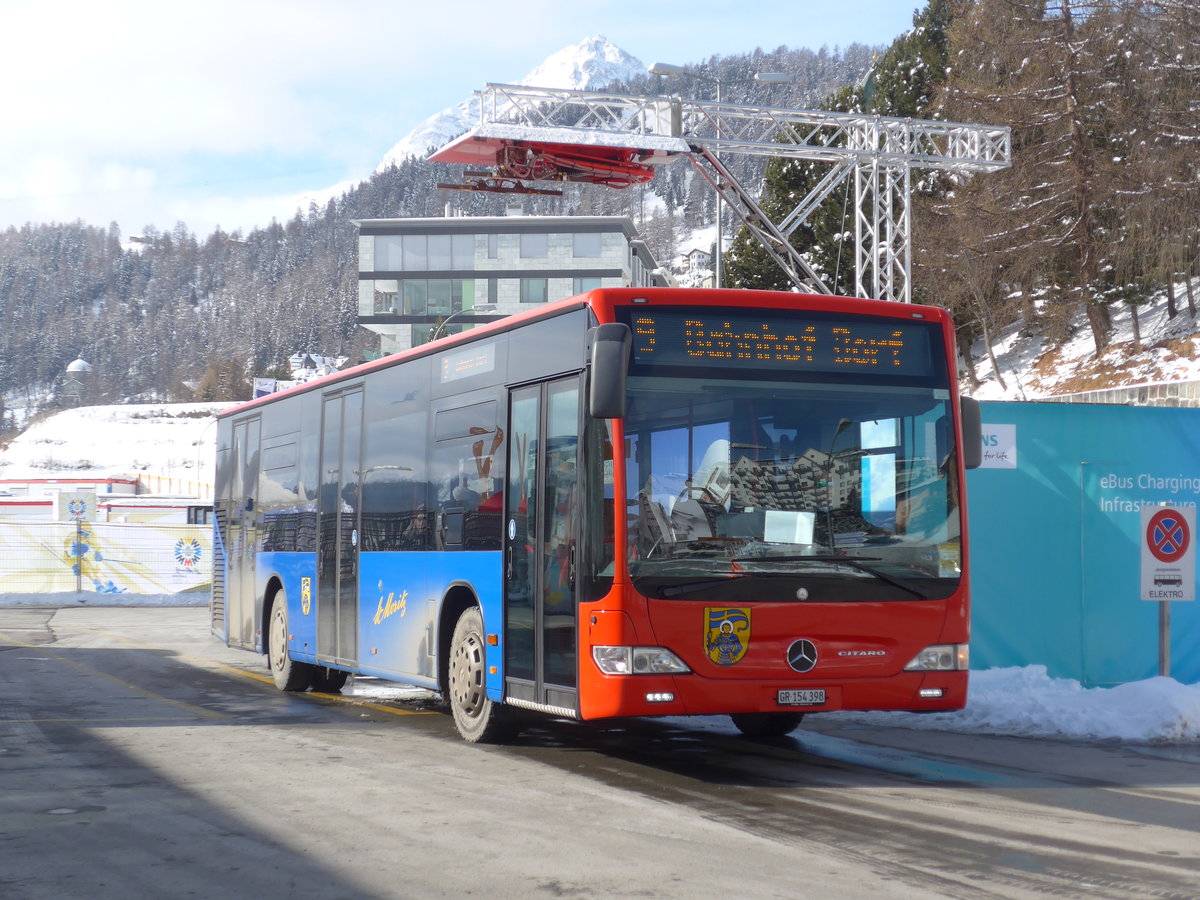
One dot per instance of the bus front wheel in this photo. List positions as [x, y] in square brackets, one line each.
[289, 674]
[478, 719]
[766, 725]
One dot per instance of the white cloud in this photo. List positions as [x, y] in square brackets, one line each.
[145, 112]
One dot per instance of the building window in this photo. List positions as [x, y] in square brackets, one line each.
[416, 252]
[535, 246]
[439, 252]
[416, 297]
[579, 285]
[533, 290]
[389, 253]
[445, 297]
[586, 245]
[422, 296]
[463, 253]
[424, 252]
[387, 297]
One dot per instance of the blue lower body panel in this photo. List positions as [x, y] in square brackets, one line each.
[298, 574]
[399, 605]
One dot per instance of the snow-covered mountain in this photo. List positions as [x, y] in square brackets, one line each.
[592, 64]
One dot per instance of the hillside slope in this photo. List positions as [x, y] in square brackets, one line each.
[169, 446]
[1032, 367]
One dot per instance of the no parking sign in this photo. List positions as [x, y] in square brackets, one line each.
[1168, 553]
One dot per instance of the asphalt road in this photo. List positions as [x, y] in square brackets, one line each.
[140, 758]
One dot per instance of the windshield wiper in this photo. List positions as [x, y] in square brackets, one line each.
[854, 562]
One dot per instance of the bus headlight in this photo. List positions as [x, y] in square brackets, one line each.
[638, 661]
[941, 658]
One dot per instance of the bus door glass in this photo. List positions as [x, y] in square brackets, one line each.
[338, 509]
[540, 551]
[243, 533]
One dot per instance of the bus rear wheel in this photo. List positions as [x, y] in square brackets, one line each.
[289, 674]
[766, 725]
[328, 681]
[477, 717]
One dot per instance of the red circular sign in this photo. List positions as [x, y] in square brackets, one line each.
[1167, 535]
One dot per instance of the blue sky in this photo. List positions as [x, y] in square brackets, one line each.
[222, 112]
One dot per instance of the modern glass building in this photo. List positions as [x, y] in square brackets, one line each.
[414, 273]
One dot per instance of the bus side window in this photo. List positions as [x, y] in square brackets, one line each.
[467, 476]
[468, 491]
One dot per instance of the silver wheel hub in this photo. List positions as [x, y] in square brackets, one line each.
[278, 639]
[467, 676]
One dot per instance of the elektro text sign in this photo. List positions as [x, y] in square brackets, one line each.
[1168, 552]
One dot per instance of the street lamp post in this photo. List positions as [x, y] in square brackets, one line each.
[481, 308]
[671, 70]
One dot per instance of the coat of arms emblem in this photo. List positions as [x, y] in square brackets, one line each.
[726, 634]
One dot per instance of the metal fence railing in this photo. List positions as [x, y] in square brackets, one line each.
[104, 557]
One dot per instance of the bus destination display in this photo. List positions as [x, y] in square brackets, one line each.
[769, 339]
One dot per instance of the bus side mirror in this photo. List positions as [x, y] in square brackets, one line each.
[611, 345]
[972, 430]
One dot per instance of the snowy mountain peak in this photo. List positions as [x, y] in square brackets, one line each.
[592, 64]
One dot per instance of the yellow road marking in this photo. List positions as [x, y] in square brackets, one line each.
[108, 721]
[42, 648]
[254, 676]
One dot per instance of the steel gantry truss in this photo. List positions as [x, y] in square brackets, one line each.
[614, 139]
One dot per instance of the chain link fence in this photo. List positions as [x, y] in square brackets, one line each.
[104, 557]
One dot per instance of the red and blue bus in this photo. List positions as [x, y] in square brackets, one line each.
[634, 502]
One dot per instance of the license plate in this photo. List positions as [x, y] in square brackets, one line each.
[802, 698]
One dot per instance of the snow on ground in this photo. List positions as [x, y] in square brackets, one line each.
[1032, 368]
[169, 445]
[1025, 701]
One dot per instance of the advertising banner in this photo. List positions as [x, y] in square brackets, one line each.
[107, 558]
[1070, 536]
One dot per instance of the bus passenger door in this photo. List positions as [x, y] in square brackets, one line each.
[243, 534]
[540, 519]
[338, 513]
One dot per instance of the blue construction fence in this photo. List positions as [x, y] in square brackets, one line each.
[1057, 542]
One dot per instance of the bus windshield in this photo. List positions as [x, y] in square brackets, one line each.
[841, 484]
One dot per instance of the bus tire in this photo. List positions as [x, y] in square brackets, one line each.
[289, 674]
[477, 717]
[329, 681]
[766, 725]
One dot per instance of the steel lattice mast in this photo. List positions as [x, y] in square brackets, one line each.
[877, 152]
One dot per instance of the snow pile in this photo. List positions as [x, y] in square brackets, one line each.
[1027, 702]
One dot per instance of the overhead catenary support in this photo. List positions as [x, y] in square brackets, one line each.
[773, 240]
[615, 139]
[882, 231]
